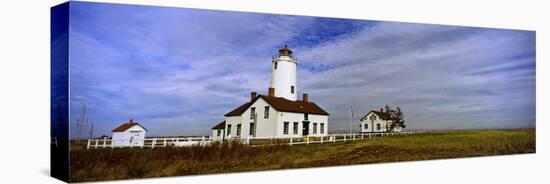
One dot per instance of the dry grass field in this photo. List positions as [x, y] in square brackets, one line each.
[112, 164]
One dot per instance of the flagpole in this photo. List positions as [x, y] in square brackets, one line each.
[350, 117]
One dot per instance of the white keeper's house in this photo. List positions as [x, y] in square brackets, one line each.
[279, 114]
[130, 133]
[377, 121]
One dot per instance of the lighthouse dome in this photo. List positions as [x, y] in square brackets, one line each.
[285, 51]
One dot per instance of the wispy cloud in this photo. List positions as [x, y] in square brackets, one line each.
[177, 71]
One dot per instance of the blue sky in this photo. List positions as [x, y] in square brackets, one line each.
[177, 70]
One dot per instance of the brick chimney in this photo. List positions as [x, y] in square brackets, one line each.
[253, 95]
[131, 121]
[271, 92]
[305, 97]
[381, 110]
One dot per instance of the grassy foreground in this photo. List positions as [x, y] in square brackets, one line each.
[111, 164]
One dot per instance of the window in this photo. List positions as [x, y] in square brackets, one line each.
[322, 128]
[292, 89]
[219, 133]
[295, 128]
[366, 126]
[266, 112]
[228, 129]
[252, 131]
[238, 129]
[305, 116]
[314, 128]
[275, 65]
[252, 112]
[373, 117]
[378, 126]
[285, 128]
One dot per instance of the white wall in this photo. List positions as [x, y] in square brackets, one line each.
[299, 117]
[264, 126]
[371, 126]
[215, 136]
[283, 77]
[232, 121]
[133, 136]
[273, 125]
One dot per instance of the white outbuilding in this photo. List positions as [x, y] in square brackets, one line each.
[217, 131]
[377, 121]
[279, 114]
[129, 134]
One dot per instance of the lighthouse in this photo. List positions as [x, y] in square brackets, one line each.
[279, 114]
[283, 75]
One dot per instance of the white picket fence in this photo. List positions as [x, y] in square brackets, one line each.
[252, 141]
[330, 138]
[154, 142]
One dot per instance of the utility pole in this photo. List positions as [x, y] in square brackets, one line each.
[92, 130]
[81, 122]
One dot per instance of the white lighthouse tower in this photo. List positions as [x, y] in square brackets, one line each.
[283, 75]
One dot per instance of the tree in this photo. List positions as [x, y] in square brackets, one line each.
[397, 118]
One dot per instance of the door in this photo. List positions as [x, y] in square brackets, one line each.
[305, 128]
[134, 138]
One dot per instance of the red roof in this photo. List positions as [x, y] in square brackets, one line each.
[382, 115]
[219, 126]
[239, 110]
[281, 104]
[127, 125]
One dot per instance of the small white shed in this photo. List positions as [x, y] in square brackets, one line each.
[218, 131]
[128, 134]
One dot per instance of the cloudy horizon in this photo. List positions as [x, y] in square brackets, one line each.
[177, 71]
